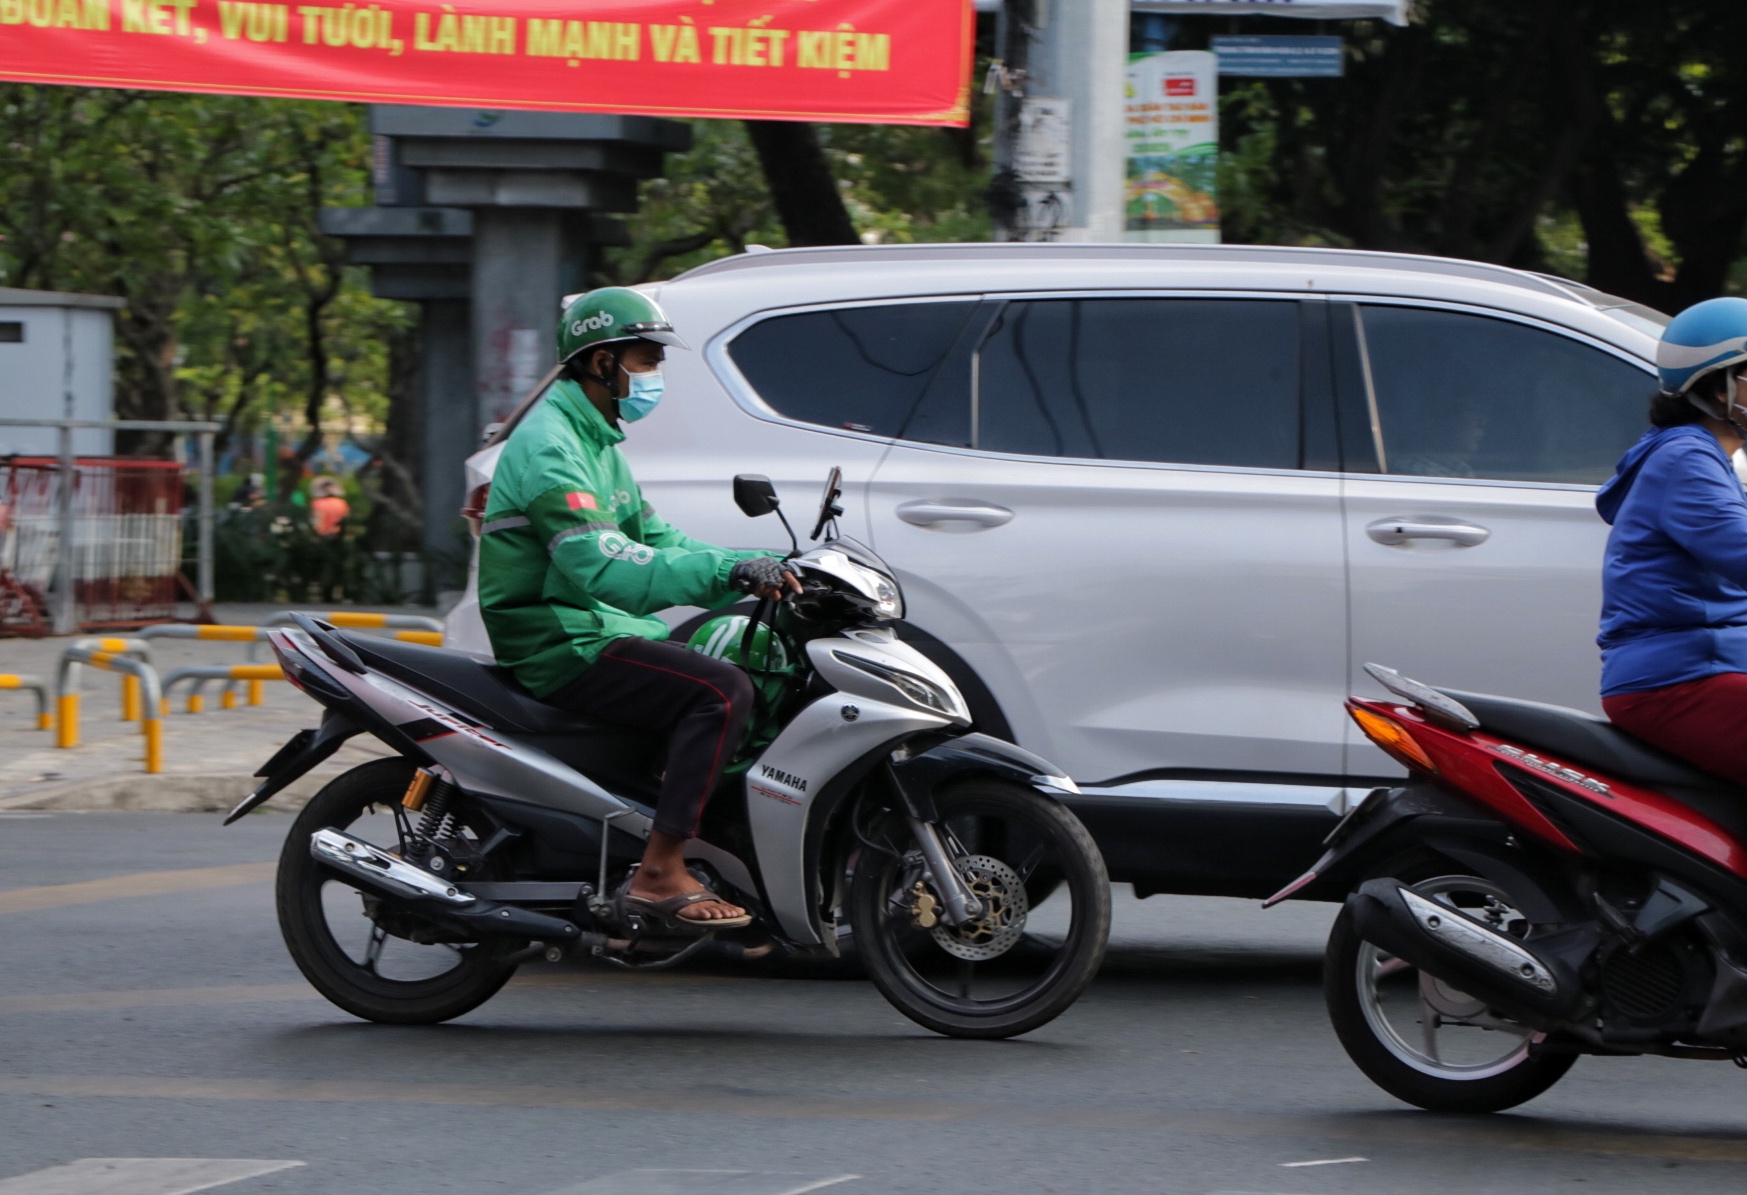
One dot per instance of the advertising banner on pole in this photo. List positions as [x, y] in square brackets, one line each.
[863, 61]
[1171, 139]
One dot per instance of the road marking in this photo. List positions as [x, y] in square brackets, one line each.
[268, 992]
[1502, 1133]
[129, 887]
[156, 998]
[1324, 1162]
[704, 1182]
[139, 1176]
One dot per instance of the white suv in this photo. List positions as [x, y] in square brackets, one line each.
[1154, 506]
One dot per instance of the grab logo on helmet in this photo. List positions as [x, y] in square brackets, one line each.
[593, 323]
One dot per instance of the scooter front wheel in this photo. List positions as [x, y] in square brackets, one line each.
[1014, 966]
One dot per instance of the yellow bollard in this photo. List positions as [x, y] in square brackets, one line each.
[67, 725]
[163, 708]
[353, 618]
[231, 634]
[195, 703]
[154, 745]
[130, 697]
[228, 699]
[257, 691]
[45, 721]
[428, 638]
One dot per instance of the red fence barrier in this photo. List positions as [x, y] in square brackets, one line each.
[127, 540]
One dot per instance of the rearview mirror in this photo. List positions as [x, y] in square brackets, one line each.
[754, 494]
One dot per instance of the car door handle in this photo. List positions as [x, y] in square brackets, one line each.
[931, 512]
[1400, 531]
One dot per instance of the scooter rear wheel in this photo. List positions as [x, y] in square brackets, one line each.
[362, 960]
[1450, 1053]
[1018, 966]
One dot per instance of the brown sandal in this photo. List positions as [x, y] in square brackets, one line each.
[664, 914]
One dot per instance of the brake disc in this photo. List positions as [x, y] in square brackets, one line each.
[1004, 910]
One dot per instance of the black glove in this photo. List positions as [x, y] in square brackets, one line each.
[751, 575]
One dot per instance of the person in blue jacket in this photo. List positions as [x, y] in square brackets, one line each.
[1674, 585]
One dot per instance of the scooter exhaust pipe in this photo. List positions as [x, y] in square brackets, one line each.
[393, 878]
[1444, 942]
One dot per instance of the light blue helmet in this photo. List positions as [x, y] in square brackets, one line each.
[1702, 339]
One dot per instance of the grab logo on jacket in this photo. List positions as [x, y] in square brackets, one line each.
[617, 547]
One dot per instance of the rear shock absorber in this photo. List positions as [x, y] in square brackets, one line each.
[429, 795]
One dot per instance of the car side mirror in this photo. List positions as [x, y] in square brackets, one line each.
[754, 494]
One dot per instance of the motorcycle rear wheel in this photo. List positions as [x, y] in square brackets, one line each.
[974, 982]
[1364, 988]
[323, 918]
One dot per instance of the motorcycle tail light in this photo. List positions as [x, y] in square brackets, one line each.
[1394, 739]
[473, 510]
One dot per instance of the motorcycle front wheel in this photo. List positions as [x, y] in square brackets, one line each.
[1018, 964]
[364, 956]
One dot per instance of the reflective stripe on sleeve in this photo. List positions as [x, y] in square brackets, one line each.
[509, 524]
[580, 529]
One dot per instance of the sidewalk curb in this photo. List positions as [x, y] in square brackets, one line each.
[163, 793]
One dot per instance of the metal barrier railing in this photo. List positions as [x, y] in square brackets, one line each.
[73, 659]
[133, 648]
[199, 674]
[146, 699]
[23, 680]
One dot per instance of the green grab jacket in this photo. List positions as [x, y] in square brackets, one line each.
[571, 557]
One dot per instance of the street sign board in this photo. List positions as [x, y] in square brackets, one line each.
[1393, 11]
[1280, 57]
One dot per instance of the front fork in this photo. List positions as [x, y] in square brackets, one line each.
[962, 906]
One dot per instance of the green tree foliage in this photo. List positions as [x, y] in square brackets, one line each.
[899, 183]
[201, 212]
[1605, 137]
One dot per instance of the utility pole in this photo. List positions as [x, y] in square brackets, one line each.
[1058, 150]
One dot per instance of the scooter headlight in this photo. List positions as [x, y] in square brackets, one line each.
[918, 689]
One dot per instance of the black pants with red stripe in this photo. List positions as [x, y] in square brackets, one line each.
[700, 701]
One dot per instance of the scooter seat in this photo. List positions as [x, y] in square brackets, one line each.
[622, 760]
[1575, 737]
[483, 691]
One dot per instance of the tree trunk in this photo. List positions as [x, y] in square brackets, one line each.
[801, 184]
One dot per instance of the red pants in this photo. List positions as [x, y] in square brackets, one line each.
[1702, 721]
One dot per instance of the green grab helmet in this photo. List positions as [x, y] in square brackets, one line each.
[722, 637]
[612, 314]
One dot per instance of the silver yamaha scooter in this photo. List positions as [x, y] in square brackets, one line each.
[862, 807]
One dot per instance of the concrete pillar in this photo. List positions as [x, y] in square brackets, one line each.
[1069, 56]
[1089, 40]
[521, 262]
[451, 428]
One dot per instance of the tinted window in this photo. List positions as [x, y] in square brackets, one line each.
[1467, 396]
[1188, 381]
[866, 369]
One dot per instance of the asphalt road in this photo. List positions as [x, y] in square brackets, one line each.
[149, 1011]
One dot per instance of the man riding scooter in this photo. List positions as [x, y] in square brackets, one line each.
[573, 564]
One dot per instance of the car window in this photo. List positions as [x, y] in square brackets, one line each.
[1459, 395]
[864, 369]
[1183, 381]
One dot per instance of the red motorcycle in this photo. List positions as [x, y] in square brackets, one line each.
[1542, 886]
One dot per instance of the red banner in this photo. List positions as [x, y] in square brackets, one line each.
[868, 61]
